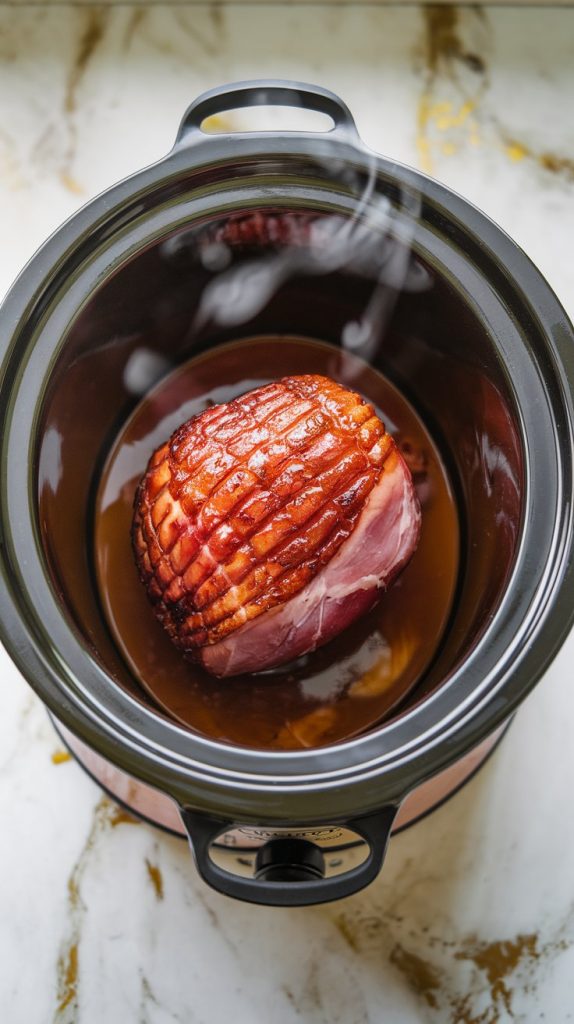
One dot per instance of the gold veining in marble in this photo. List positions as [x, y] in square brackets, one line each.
[67, 978]
[155, 877]
[427, 959]
[208, 42]
[134, 24]
[60, 756]
[11, 174]
[95, 22]
[419, 974]
[445, 125]
[554, 163]
[106, 815]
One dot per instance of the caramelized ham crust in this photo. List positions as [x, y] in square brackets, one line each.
[266, 525]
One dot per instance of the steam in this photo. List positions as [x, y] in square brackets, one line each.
[143, 369]
[398, 273]
[375, 241]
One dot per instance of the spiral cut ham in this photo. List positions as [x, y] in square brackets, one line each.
[266, 525]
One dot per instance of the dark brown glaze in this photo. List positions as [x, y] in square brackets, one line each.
[249, 500]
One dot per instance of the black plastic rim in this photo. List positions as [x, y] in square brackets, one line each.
[370, 771]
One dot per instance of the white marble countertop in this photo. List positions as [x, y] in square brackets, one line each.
[472, 920]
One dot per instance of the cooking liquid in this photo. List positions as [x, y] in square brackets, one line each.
[350, 684]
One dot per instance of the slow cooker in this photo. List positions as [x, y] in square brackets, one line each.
[461, 321]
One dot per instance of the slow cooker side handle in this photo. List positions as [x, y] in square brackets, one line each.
[290, 890]
[267, 93]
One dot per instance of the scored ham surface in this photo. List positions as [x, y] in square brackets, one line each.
[266, 525]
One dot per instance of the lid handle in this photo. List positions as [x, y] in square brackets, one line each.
[267, 93]
[289, 873]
